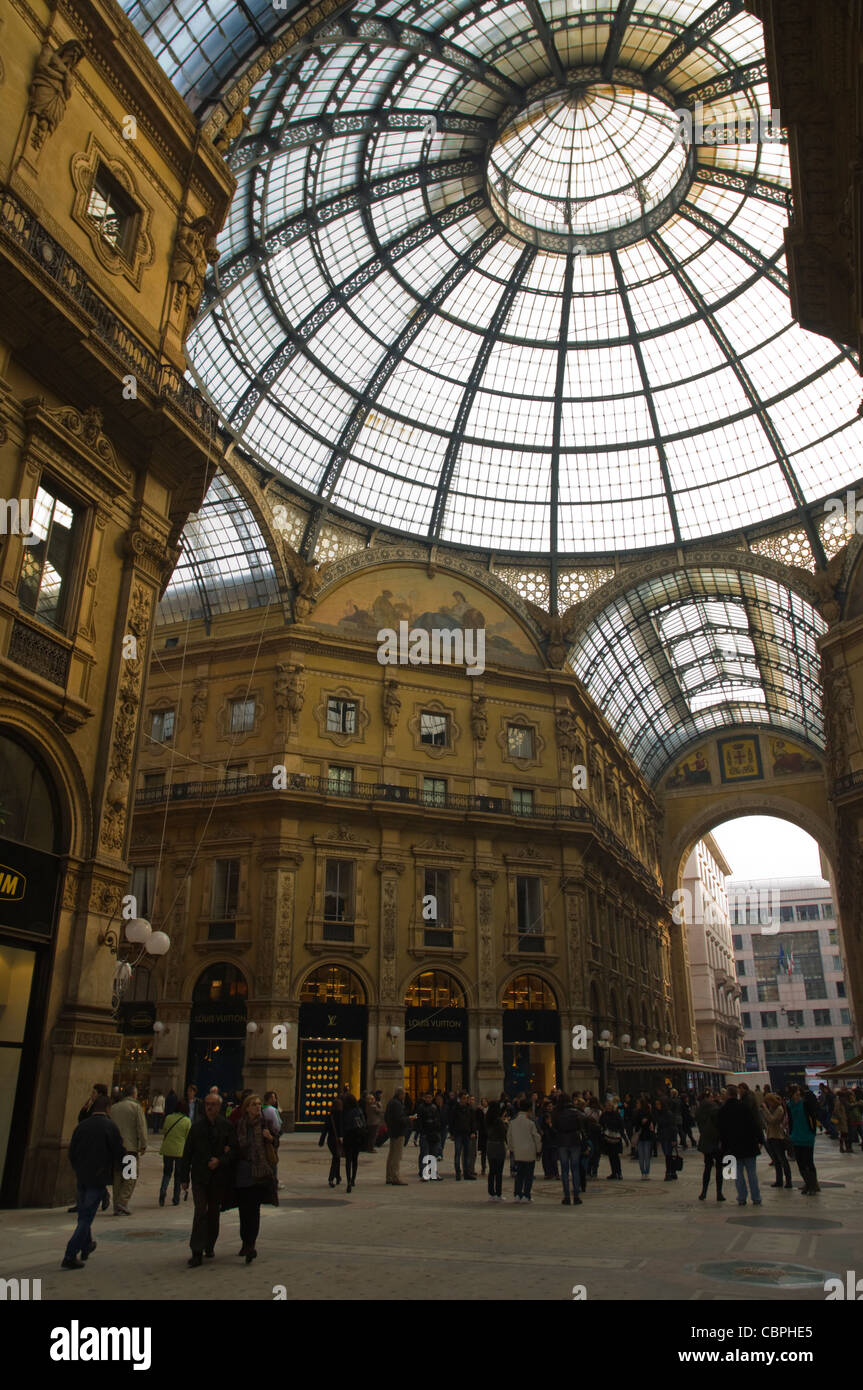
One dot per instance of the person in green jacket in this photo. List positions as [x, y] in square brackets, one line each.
[802, 1115]
[176, 1127]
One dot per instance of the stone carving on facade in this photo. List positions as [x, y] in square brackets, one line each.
[267, 933]
[484, 880]
[596, 778]
[556, 630]
[125, 726]
[70, 889]
[479, 719]
[567, 734]
[231, 130]
[87, 425]
[843, 734]
[194, 250]
[295, 696]
[179, 897]
[827, 582]
[284, 936]
[200, 698]
[391, 705]
[611, 796]
[105, 897]
[389, 916]
[51, 89]
[307, 579]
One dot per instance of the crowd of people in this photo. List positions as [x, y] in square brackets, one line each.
[569, 1135]
[225, 1149]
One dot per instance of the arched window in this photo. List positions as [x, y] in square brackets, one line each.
[221, 984]
[435, 989]
[332, 984]
[528, 992]
[28, 806]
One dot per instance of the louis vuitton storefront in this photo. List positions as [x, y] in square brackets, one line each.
[333, 1029]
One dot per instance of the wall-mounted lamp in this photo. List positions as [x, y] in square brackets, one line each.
[625, 1040]
[394, 1032]
[493, 1036]
[159, 1028]
[251, 1027]
[687, 1052]
[654, 1047]
[642, 1043]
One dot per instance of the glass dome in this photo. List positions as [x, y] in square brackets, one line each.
[472, 289]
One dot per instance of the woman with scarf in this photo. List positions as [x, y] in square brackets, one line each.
[255, 1181]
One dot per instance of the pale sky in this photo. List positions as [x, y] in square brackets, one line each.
[766, 847]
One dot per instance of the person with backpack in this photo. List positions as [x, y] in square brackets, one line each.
[174, 1131]
[354, 1136]
[571, 1131]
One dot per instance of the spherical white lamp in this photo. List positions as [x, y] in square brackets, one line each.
[158, 1026]
[654, 1047]
[157, 943]
[625, 1040]
[138, 929]
[642, 1043]
[589, 1034]
[605, 1035]
[687, 1051]
[251, 1027]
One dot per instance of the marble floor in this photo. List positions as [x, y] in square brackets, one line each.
[630, 1240]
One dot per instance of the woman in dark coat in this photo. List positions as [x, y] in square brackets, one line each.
[254, 1181]
[666, 1133]
[331, 1135]
[354, 1131]
[548, 1134]
[708, 1143]
[612, 1138]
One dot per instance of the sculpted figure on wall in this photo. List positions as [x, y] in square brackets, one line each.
[51, 89]
[193, 252]
[479, 719]
[199, 704]
[391, 704]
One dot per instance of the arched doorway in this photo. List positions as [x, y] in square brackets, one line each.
[436, 1035]
[531, 1035]
[217, 1029]
[333, 1024]
[31, 843]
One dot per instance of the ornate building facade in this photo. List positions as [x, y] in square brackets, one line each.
[104, 452]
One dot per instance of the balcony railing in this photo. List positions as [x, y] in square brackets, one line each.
[388, 792]
[25, 231]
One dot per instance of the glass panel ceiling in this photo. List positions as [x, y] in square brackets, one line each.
[225, 565]
[374, 333]
[698, 650]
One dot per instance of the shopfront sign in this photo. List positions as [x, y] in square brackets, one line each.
[333, 1020]
[136, 1018]
[430, 1024]
[28, 889]
[531, 1025]
[209, 1021]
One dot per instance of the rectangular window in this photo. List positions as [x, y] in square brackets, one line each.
[528, 894]
[519, 741]
[845, 1016]
[769, 1020]
[434, 729]
[341, 716]
[437, 915]
[226, 884]
[840, 989]
[162, 726]
[835, 962]
[807, 912]
[339, 881]
[434, 791]
[768, 991]
[737, 939]
[154, 781]
[833, 937]
[235, 775]
[341, 780]
[744, 994]
[746, 1020]
[48, 564]
[242, 716]
[143, 889]
[522, 801]
[742, 967]
[795, 1018]
[113, 212]
[786, 914]
[827, 912]
[822, 1018]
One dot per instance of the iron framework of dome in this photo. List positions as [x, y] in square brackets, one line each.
[376, 335]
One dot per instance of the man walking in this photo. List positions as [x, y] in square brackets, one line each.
[129, 1119]
[95, 1150]
[398, 1127]
[740, 1134]
[429, 1126]
[211, 1147]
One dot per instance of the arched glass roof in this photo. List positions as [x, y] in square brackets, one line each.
[224, 566]
[696, 650]
[374, 332]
